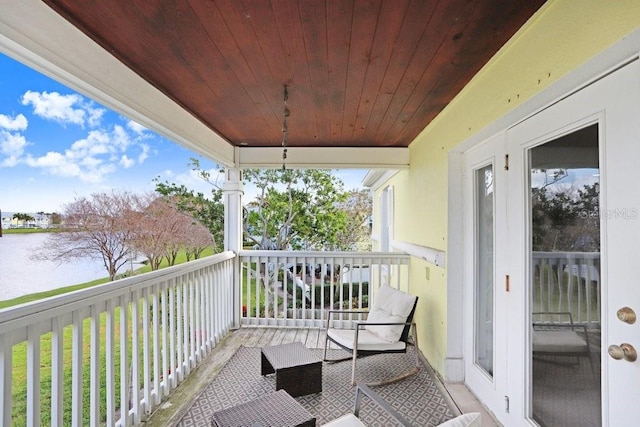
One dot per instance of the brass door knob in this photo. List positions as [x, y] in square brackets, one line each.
[623, 351]
[627, 315]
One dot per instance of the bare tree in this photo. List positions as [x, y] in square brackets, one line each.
[154, 227]
[164, 229]
[197, 239]
[100, 227]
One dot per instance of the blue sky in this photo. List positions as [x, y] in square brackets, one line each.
[57, 145]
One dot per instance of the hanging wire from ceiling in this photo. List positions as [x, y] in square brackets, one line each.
[285, 127]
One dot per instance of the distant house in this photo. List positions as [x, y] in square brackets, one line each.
[40, 220]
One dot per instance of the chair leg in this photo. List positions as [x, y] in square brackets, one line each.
[406, 374]
[414, 334]
[326, 344]
[353, 367]
[355, 357]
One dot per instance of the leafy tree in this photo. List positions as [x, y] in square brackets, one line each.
[358, 207]
[295, 209]
[208, 211]
[565, 219]
[22, 218]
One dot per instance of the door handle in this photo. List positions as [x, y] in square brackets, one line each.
[623, 351]
[627, 315]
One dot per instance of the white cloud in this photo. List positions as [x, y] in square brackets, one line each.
[95, 116]
[90, 159]
[136, 127]
[12, 146]
[55, 163]
[120, 138]
[145, 153]
[63, 109]
[18, 122]
[126, 162]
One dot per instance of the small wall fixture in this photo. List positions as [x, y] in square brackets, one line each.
[285, 127]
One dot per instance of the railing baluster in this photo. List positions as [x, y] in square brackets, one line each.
[124, 361]
[164, 336]
[172, 333]
[6, 376]
[57, 371]
[156, 346]
[197, 317]
[135, 357]
[76, 370]
[110, 362]
[94, 396]
[179, 330]
[33, 375]
[191, 331]
[146, 352]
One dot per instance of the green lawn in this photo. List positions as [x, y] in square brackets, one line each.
[28, 230]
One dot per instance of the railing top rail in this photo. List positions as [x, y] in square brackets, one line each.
[322, 254]
[565, 255]
[108, 290]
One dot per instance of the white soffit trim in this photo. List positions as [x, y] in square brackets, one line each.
[325, 157]
[35, 35]
[375, 179]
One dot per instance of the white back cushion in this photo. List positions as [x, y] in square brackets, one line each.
[390, 306]
[472, 419]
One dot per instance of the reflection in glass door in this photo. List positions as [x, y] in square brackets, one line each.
[484, 232]
[565, 280]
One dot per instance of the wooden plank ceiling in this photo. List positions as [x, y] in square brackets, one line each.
[359, 73]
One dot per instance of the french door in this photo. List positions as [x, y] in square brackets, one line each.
[551, 270]
[485, 195]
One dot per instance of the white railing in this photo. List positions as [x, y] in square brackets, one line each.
[298, 288]
[109, 354]
[568, 282]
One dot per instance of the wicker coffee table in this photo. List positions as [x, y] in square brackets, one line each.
[297, 369]
[273, 409]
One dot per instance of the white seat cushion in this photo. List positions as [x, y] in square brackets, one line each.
[366, 340]
[472, 419]
[558, 341]
[348, 420]
[390, 306]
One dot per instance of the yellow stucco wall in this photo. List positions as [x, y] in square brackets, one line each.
[563, 35]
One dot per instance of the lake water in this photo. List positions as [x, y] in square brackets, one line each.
[20, 275]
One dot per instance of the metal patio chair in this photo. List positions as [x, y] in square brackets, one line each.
[387, 328]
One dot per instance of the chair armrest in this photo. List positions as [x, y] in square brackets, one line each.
[364, 390]
[358, 324]
[555, 313]
[343, 312]
[349, 311]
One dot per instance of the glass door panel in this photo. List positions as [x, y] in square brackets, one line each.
[484, 274]
[565, 280]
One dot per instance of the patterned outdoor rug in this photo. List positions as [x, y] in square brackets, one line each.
[417, 398]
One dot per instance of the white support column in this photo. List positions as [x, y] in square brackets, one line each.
[233, 191]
